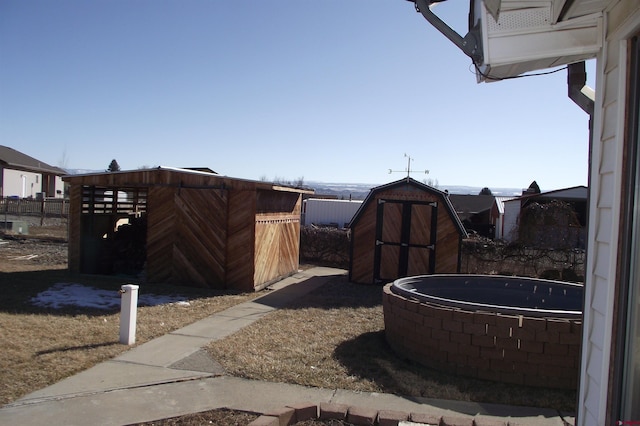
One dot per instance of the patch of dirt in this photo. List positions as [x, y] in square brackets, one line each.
[228, 417]
[19, 254]
[212, 417]
[43, 247]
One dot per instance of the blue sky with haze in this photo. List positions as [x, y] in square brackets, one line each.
[329, 90]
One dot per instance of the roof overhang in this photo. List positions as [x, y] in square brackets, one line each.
[171, 176]
[508, 38]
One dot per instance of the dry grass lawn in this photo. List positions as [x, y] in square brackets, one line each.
[42, 346]
[334, 338]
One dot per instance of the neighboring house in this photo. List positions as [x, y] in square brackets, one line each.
[25, 177]
[404, 228]
[517, 36]
[576, 197]
[498, 213]
[476, 212]
[329, 212]
[184, 226]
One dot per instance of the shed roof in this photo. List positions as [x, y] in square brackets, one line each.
[173, 176]
[421, 186]
[13, 159]
[201, 169]
[471, 204]
[500, 203]
[574, 193]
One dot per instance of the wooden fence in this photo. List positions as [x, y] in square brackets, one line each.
[47, 207]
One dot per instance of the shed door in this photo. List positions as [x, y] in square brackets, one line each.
[405, 239]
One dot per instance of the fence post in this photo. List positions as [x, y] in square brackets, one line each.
[42, 208]
[128, 313]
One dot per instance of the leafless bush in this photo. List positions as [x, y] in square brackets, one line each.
[324, 246]
[330, 247]
[484, 256]
[550, 225]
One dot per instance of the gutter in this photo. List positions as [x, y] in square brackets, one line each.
[584, 97]
[579, 92]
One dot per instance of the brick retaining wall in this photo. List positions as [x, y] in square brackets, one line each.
[542, 352]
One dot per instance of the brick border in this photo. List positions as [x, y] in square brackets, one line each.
[531, 351]
[292, 414]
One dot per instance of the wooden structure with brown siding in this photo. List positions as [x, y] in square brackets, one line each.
[184, 227]
[404, 228]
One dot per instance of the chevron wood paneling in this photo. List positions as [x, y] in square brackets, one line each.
[241, 231]
[204, 229]
[363, 240]
[161, 224]
[201, 228]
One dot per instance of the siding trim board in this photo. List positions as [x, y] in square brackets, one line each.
[626, 295]
[597, 397]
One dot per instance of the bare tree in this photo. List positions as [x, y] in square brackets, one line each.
[64, 160]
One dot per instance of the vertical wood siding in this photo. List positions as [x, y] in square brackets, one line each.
[277, 247]
[448, 243]
[74, 220]
[277, 236]
[363, 232]
[420, 234]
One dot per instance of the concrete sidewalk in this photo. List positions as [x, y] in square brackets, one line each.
[172, 375]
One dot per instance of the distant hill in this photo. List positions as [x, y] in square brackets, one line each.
[83, 171]
[359, 191]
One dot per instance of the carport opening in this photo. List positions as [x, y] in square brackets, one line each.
[113, 230]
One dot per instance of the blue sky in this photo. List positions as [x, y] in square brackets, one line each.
[329, 90]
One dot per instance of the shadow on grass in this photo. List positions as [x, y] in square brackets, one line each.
[369, 357]
[18, 288]
[337, 293]
[76, 348]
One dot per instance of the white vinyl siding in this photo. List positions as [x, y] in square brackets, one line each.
[328, 212]
[18, 183]
[511, 215]
[604, 212]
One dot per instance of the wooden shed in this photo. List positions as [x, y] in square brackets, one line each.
[404, 228]
[184, 227]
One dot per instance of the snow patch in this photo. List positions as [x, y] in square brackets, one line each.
[69, 294]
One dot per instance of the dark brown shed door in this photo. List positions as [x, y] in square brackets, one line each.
[405, 239]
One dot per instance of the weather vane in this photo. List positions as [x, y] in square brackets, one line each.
[408, 169]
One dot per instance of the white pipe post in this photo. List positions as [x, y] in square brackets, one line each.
[128, 313]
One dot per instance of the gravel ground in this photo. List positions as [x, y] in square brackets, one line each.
[44, 247]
